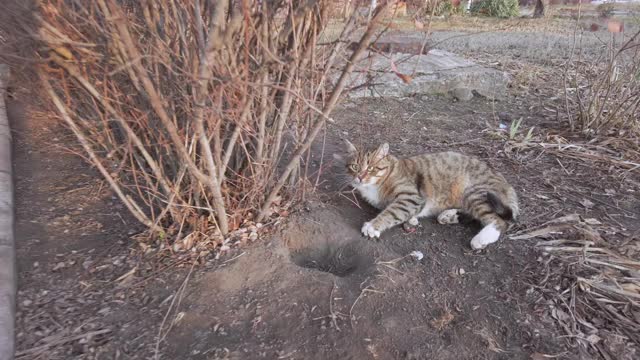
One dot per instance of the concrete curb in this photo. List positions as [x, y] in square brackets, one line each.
[7, 243]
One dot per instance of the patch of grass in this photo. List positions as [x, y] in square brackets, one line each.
[497, 8]
[514, 131]
[606, 9]
[440, 8]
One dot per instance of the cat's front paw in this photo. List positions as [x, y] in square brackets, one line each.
[369, 231]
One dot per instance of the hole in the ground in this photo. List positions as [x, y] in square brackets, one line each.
[338, 258]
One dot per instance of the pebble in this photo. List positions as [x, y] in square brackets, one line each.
[462, 94]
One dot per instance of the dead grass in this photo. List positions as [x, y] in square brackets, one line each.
[593, 287]
[607, 153]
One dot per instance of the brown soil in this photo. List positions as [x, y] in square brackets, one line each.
[315, 289]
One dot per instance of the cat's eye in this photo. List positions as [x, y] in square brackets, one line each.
[354, 167]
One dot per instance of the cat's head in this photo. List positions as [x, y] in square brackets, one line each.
[367, 167]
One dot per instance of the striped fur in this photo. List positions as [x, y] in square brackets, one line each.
[443, 184]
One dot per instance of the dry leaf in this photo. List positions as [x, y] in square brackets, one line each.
[444, 320]
[179, 317]
[405, 78]
[587, 203]
[418, 24]
[188, 241]
[560, 315]
[593, 339]
[631, 287]
[64, 52]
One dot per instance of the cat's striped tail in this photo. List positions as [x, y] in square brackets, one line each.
[489, 204]
[505, 206]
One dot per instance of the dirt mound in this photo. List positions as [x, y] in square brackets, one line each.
[319, 290]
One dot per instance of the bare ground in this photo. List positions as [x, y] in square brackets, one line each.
[313, 289]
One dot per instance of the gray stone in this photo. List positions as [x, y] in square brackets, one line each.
[438, 72]
[462, 94]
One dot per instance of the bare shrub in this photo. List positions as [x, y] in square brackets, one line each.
[185, 107]
[604, 92]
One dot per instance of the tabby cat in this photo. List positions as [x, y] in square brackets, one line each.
[445, 184]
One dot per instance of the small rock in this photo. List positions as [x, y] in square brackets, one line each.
[461, 271]
[504, 116]
[59, 266]
[462, 94]
[27, 303]
[253, 236]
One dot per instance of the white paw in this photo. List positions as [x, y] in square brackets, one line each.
[369, 231]
[488, 235]
[413, 221]
[448, 217]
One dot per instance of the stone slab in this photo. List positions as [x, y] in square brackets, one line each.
[438, 72]
[428, 71]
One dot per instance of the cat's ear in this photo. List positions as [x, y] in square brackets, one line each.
[351, 150]
[382, 151]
